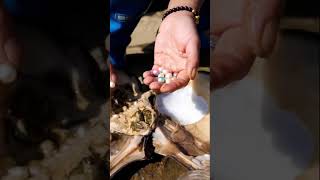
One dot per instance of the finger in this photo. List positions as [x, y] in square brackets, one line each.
[262, 20]
[173, 86]
[155, 86]
[232, 58]
[149, 79]
[155, 67]
[12, 50]
[146, 74]
[113, 77]
[193, 51]
[9, 60]
[181, 81]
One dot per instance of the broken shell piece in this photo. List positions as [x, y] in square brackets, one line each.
[132, 150]
[177, 134]
[202, 160]
[196, 174]
[8, 73]
[165, 147]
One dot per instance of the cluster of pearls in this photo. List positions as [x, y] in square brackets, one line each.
[163, 75]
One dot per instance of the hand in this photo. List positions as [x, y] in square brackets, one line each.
[9, 52]
[243, 29]
[9, 60]
[113, 79]
[177, 49]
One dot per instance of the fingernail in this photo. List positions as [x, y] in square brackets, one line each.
[268, 38]
[112, 84]
[193, 73]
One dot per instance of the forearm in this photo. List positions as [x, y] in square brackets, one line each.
[195, 4]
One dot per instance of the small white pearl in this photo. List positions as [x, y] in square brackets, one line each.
[175, 74]
[161, 79]
[160, 75]
[168, 75]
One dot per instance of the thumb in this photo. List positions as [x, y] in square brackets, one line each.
[193, 52]
[262, 21]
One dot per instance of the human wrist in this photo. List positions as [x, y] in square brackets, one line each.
[185, 11]
[170, 21]
[194, 4]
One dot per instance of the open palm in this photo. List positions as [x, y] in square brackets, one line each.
[176, 50]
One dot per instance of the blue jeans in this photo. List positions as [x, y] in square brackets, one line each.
[125, 15]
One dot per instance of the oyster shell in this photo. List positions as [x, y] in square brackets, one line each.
[134, 119]
[138, 118]
[171, 139]
[131, 150]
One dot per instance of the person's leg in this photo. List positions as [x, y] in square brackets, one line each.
[124, 16]
[204, 25]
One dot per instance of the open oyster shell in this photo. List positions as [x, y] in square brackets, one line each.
[135, 118]
[138, 118]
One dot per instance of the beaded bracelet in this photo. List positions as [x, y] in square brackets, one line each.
[183, 8]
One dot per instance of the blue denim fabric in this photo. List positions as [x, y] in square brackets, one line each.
[204, 24]
[124, 16]
[27, 7]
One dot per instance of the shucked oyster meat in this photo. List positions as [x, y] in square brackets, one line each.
[138, 118]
